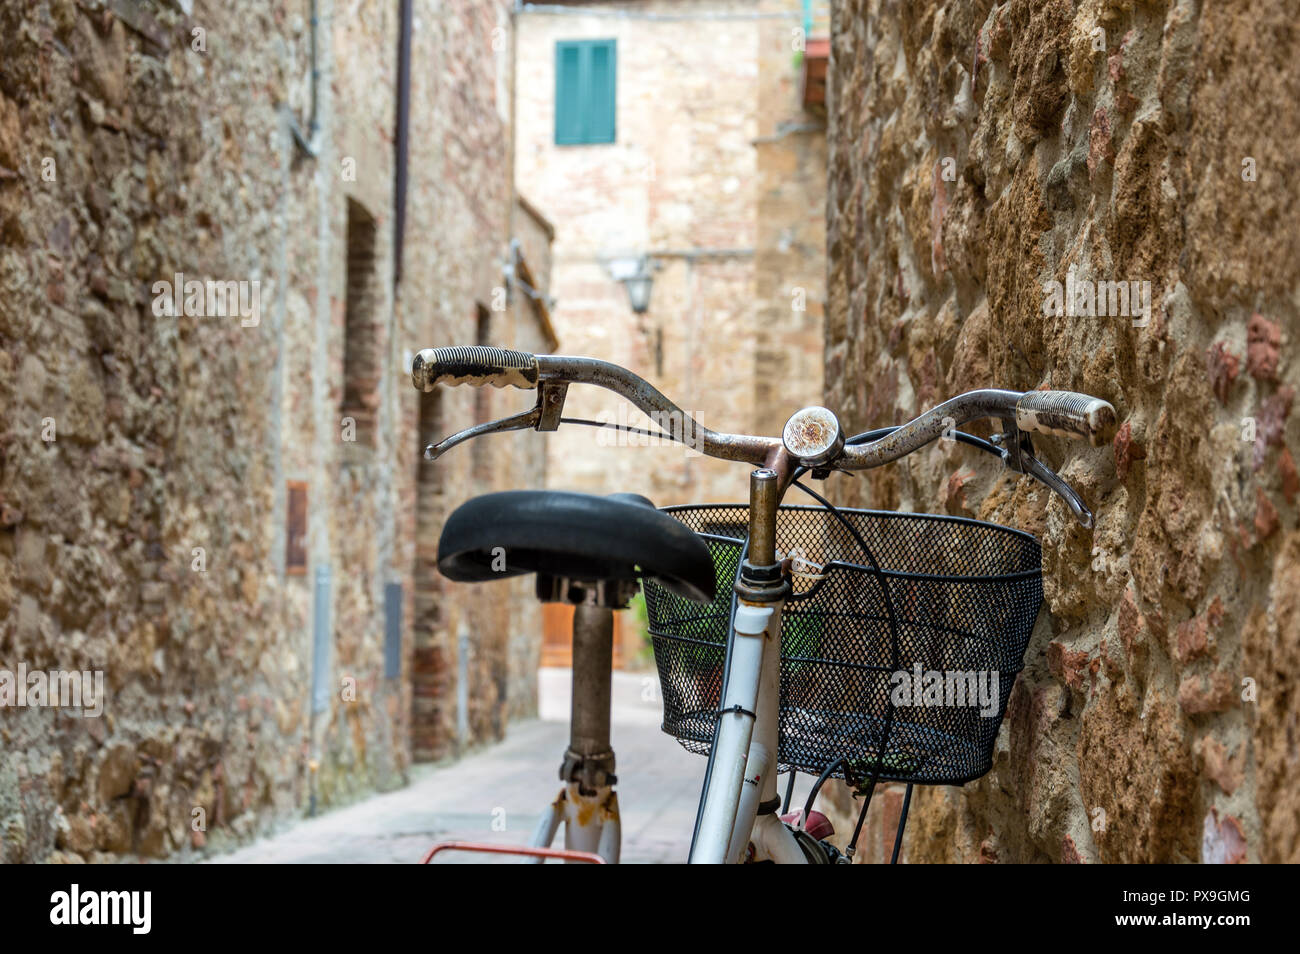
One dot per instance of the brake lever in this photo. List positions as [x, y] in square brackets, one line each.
[1048, 477]
[1018, 456]
[543, 416]
[526, 420]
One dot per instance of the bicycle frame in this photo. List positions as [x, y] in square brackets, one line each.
[739, 801]
[741, 780]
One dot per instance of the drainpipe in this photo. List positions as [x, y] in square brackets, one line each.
[402, 136]
[310, 142]
[515, 11]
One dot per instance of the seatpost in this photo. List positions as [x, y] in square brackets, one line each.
[593, 662]
[587, 805]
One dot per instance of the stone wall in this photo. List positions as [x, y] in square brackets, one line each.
[145, 457]
[979, 151]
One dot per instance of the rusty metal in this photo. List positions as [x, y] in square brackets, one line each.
[1015, 445]
[592, 822]
[762, 578]
[813, 436]
[1018, 456]
[928, 427]
[1066, 414]
[1049, 478]
[652, 402]
[609, 809]
[559, 854]
[526, 420]
[764, 498]
[550, 404]
[589, 761]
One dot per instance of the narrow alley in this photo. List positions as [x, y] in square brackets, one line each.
[496, 793]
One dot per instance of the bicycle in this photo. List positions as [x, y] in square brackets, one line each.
[800, 665]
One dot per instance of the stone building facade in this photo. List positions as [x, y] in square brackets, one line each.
[715, 175]
[979, 152]
[227, 515]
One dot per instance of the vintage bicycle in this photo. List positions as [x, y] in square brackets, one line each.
[862, 645]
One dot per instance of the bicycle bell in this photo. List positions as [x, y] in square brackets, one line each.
[813, 436]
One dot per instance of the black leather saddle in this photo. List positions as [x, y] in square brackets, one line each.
[575, 536]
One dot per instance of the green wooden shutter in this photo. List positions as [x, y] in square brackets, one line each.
[586, 101]
[568, 93]
[600, 88]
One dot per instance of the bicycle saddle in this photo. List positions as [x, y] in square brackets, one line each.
[577, 536]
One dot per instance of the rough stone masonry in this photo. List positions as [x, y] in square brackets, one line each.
[146, 528]
[980, 151]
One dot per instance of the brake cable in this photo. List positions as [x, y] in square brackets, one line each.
[626, 429]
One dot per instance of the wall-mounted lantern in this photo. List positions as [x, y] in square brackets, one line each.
[637, 276]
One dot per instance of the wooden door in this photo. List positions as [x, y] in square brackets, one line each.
[557, 636]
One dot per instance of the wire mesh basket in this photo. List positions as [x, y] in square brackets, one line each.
[903, 673]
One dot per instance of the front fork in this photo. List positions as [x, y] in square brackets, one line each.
[743, 776]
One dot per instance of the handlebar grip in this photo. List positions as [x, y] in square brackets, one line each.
[473, 364]
[1066, 414]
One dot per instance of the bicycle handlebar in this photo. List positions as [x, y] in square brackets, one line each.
[1066, 414]
[477, 366]
[1062, 413]
[474, 365]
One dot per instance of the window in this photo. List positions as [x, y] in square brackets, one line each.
[585, 102]
[295, 535]
[360, 354]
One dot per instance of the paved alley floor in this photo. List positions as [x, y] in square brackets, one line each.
[512, 783]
